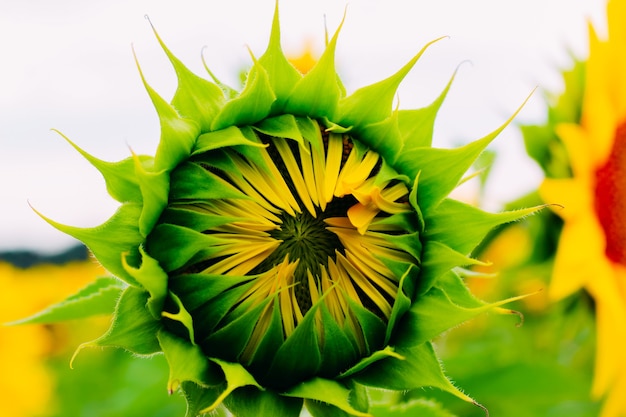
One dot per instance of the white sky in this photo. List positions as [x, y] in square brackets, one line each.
[68, 65]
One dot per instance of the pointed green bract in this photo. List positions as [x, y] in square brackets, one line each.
[150, 276]
[251, 106]
[287, 246]
[186, 362]
[154, 188]
[364, 363]
[440, 170]
[230, 341]
[317, 94]
[435, 314]
[421, 408]
[109, 241]
[119, 176]
[384, 135]
[437, 260]
[282, 75]
[373, 103]
[230, 136]
[236, 377]
[288, 356]
[331, 392]
[133, 327]
[252, 402]
[401, 304]
[418, 368]
[337, 349]
[285, 126]
[417, 125]
[199, 397]
[441, 230]
[178, 135]
[182, 316]
[195, 97]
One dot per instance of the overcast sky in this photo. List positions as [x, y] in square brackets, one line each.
[68, 65]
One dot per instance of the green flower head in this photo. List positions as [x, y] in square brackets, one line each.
[288, 246]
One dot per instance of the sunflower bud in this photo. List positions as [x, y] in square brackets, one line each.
[289, 246]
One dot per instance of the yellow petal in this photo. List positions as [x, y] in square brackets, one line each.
[579, 148]
[354, 172]
[599, 115]
[570, 198]
[385, 200]
[580, 257]
[610, 318]
[333, 164]
[616, 10]
[361, 216]
[308, 174]
[295, 174]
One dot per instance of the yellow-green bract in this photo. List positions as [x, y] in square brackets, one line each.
[287, 245]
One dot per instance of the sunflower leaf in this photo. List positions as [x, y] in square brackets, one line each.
[99, 297]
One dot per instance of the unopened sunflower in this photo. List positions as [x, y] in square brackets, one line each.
[289, 246]
[586, 173]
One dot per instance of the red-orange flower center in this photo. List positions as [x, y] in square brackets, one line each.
[610, 202]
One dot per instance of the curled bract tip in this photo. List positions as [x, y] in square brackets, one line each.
[77, 351]
[479, 405]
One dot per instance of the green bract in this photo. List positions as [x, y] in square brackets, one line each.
[288, 246]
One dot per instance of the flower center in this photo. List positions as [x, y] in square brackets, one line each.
[610, 202]
[279, 233]
[307, 239]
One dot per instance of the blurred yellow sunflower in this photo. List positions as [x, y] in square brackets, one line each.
[306, 58]
[592, 247]
[26, 380]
